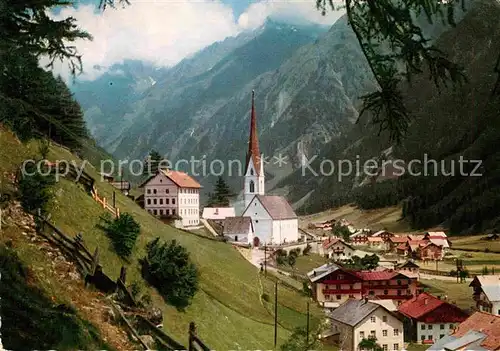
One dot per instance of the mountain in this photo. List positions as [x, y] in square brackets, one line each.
[447, 125]
[302, 77]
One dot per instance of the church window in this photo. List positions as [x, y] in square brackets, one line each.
[251, 171]
[252, 186]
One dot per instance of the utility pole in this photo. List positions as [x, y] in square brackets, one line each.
[275, 313]
[114, 202]
[307, 325]
[265, 259]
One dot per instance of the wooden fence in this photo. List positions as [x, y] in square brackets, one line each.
[115, 211]
[68, 170]
[76, 251]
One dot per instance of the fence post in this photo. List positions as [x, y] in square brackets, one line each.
[123, 274]
[104, 202]
[95, 261]
[192, 334]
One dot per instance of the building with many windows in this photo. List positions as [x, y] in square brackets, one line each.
[332, 285]
[429, 318]
[173, 193]
[356, 320]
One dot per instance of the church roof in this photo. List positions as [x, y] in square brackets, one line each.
[277, 207]
[253, 141]
[237, 225]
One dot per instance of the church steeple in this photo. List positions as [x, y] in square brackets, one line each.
[253, 141]
[254, 168]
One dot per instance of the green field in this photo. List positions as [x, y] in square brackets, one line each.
[459, 293]
[227, 309]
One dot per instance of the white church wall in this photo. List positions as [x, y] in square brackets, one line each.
[285, 231]
[262, 222]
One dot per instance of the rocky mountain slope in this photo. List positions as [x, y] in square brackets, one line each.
[307, 85]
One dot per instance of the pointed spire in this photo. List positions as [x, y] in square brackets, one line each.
[253, 142]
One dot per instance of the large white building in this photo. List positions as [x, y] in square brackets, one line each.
[171, 193]
[274, 221]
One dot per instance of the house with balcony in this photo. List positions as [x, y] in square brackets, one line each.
[486, 293]
[336, 249]
[410, 269]
[395, 241]
[428, 318]
[384, 234]
[332, 285]
[171, 193]
[356, 320]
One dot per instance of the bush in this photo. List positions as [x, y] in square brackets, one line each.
[307, 250]
[171, 271]
[122, 231]
[265, 297]
[35, 189]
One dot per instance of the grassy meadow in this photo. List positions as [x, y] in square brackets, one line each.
[228, 308]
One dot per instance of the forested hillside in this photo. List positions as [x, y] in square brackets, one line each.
[447, 124]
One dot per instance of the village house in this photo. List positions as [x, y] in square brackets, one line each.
[356, 320]
[384, 234]
[395, 241]
[122, 185]
[218, 214]
[486, 293]
[332, 285]
[430, 252]
[376, 242]
[428, 318]
[273, 219]
[238, 229]
[336, 249]
[173, 193]
[439, 239]
[410, 269]
[360, 238]
[479, 332]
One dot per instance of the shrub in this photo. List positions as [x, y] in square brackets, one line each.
[35, 189]
[122, 231]
[307, 250]
[265, 297]
[171, 271]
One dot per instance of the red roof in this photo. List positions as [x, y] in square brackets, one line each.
[398, 239]
[485, 323]
[381, 275]
[420, 305]
[328, 242]
[253, 141]
[181, 179]
[429, 309]
[401, 246]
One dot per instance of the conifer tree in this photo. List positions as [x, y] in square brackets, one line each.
[221, 195]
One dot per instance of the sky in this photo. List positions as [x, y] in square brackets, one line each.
[164, 32]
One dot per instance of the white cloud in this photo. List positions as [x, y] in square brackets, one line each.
[292, 11]
[166, 31]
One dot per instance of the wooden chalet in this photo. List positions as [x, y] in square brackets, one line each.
[332, 285]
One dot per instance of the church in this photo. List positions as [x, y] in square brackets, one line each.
[273, 220]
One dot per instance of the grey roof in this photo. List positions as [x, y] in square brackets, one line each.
[492, 292]
[322, 271]
[277, 207]
[236, 225]
[468, 338]
[353, 311]
[439, 345]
